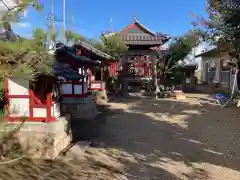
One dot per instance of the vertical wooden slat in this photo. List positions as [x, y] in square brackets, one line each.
[49, 105]
[90, 78]
[73, 91]
[82, 80]
[102, 72]
[6, 96]
[31, 104]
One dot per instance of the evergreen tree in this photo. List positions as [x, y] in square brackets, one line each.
[19, 57]
[178, 49]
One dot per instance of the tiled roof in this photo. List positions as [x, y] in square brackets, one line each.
[61, 69]
[94, 50]
[63, 51]
[145, 37]
[139, 24]
[156, 34]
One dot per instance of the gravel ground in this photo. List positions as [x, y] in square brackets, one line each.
[149, 139]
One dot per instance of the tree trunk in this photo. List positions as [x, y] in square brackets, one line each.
[154, 76]
[123, 78]
[161, 72]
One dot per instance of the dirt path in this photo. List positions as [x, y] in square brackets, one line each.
[174, 139]
[146, 139]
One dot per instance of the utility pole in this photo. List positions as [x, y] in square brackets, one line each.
[111, 28]
[53, 16]
[72, 21]
[64, 21]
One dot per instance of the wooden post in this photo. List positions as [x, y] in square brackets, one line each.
[102, 72]
[123, 76]
[82, 80]
[49, 106]
[90, 78]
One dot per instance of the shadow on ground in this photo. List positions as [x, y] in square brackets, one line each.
[138, 138]
[171, 139]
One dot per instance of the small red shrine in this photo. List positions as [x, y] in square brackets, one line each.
[97, 74]
[49, 104]
[21, 102]
[41, 100]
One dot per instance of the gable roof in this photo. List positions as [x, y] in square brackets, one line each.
[142, 36]
[137, 23]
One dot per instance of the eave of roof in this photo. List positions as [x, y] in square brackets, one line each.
[61, 69]
[94, 50]
[64, 51]
[208, 53]
[186, 66]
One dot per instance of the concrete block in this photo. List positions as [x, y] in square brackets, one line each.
[42, 140]
[85, 109]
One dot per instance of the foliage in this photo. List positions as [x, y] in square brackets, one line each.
[112, 84]
[178, 49]
[100, 46]
[24, 58]
[113, 46]
[15, 8]
[21, 58]
[222, 27]
[72, 36]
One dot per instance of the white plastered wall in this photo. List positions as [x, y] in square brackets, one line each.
[217, 76]
[18, 106]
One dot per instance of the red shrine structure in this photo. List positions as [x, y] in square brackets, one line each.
[41, 100]
[52, 103]
[97, 74]
[142, 45]
[77, 71]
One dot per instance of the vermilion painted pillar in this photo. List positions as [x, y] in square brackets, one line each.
[90, 78]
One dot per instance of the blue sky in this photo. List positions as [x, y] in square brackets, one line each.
[91, 17]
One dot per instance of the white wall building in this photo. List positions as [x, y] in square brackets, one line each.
[215, 68]
[192, 59]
